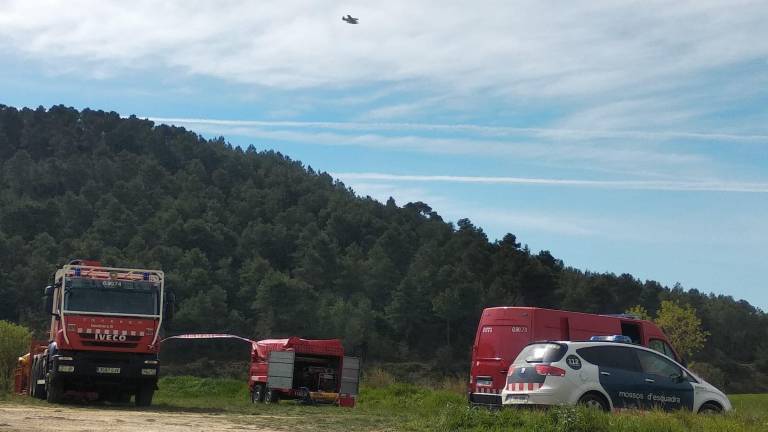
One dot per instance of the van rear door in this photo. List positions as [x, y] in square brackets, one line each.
[497, 346]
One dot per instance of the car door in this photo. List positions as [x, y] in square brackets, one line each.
[619, 373]
[666, 385]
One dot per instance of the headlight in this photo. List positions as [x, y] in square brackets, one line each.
[151, 362]
[150, 372]
[65, 358]
[66, 368]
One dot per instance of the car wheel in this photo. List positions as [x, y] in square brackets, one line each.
[591, 400]
[257, 395]
[710, 408]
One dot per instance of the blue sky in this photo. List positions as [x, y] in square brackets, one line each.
[622, 136]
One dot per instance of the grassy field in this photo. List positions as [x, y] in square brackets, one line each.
[398, 406]
[391, 406]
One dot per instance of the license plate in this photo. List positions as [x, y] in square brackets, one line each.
[107, 370]
[517, 398]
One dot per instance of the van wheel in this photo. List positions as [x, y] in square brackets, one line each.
[257, 395]
[710, 408]
[592, 400]
[271, 396]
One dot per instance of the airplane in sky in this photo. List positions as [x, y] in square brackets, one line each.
[350, 20]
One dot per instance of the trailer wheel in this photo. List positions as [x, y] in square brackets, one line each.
[144, 395]
[257, 395]
[272, 396]
[54, 391]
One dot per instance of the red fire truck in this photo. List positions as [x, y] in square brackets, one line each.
[310, 370]
[504, 331]
[103, 341]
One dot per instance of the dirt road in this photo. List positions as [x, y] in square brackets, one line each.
[62, 418]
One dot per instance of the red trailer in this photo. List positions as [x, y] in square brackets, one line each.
[504, 331]
[23, 375]
[310, 370]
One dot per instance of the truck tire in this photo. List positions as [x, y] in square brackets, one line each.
[38, 374]
[144, 395]
[54, 391]
[271, 396]
[257, 394]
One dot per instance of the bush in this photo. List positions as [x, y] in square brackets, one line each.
[14, 341]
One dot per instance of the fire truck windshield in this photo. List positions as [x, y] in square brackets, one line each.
[111, 296]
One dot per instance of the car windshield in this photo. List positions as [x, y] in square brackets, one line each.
[542, 353]
[111, 296]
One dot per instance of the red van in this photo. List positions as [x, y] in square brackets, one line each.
[504, 331]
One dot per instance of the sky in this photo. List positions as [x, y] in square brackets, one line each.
[622, 136]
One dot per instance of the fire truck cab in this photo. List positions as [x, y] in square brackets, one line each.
[504, 331]
[103, 341]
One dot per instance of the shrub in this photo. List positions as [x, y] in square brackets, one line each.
[14, 341]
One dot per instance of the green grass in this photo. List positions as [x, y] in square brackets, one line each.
[398, 406]
[393, 406]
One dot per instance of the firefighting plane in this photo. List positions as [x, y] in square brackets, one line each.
[350, 20]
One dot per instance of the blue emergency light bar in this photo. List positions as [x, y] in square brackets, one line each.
[614, 338]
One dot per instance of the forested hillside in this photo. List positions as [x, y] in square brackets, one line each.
[257, 244]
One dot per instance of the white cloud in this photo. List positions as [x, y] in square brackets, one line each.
[484, 130]
[523, 48]
[703, 186]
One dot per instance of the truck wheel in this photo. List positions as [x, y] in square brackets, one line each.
[257, 395]
[54, 391]
[271, 397]
[38, 374]
[144, 395]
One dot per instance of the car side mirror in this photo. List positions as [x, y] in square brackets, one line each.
[678, 378]
[48, 295]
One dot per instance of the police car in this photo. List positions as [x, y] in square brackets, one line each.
[607, 373]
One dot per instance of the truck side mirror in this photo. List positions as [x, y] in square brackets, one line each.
[170, 306]
[48, 300]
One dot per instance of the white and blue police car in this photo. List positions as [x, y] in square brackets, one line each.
[607, 373]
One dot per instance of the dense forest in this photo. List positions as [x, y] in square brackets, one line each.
[257, 244]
